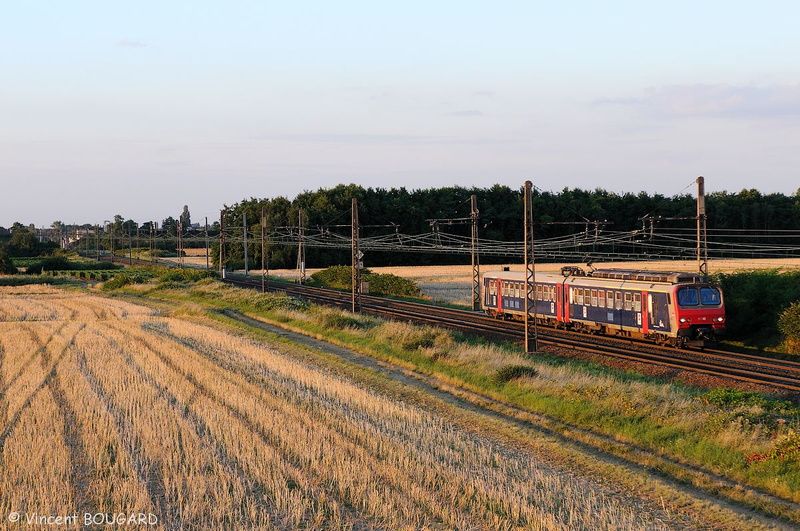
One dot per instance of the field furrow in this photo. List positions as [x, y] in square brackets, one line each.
[206, 429]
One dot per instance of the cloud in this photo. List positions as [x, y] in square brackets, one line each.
[720, 100]
[125, 43]
[487, 93]
[466, 113]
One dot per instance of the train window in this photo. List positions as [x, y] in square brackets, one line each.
[688, 297]
[538, 293]
[587, 296]
[578, 296]
[594, 297]
[552, 293]
[601, 298]
[628, 301]
[710, 296]
[618, 296]
[609, 299]
[637, 302]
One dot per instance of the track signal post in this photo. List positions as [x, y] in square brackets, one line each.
[301, 249]
[531, 332]
[476, 268]
[356, 257]
[702, 234]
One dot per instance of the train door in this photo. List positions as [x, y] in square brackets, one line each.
[491, 292]
[658, 318]
[499, 296]
[559, 302]
[643, 312]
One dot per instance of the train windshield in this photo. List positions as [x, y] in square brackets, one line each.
[709, 296]
[693, 297]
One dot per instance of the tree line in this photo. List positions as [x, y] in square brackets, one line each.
[382, 211]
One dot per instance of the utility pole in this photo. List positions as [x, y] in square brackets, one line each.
[208, 266]
[130, 246]
[152, 231]
[221, 244]
[702, 235]
[476, 268]
[97, 242]
[356, 256]
[244, 231]
[301, 249]
[263, 249]
[531, 336]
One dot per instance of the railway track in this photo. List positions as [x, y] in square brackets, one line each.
[778, 374]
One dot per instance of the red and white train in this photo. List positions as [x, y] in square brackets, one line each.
[679, 309]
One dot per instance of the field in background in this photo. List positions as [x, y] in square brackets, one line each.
[108, 407]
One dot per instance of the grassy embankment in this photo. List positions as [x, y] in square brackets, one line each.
[746, 437]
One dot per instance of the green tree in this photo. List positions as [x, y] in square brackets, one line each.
[23, 243]
[789, 326]
[6, 265]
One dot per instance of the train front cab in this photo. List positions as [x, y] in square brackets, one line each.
[699, 313]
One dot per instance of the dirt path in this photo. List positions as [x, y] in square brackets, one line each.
[703, 496]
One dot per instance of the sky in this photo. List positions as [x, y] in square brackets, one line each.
[140, 107]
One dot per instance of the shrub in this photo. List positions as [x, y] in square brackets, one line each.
[340, 277]
[755, 299]
[509, 372]
[184, 275]
[392, 285]
[336, 277]
[124, 279]
[25, 280]
[789, 326]
[6, 265]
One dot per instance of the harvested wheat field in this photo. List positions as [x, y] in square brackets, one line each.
[108, 410]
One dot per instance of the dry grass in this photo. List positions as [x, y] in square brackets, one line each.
[106, 407]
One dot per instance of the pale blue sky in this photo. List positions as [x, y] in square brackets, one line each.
[138, 108]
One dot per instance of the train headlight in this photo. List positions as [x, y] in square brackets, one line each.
[685, 320]
[720, 319]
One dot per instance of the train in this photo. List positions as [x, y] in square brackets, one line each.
[669, 308]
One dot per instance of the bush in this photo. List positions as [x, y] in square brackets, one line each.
[124, 279]
[336, 277]
[392, 285]
[184, 275]
[62, 263]
[117, 282]
[755, 299]
[341, 277]
[6, 265]
[22, 280]
[509, 372]
[789, 326]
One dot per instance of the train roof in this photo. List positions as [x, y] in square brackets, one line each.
[670, 277]
[631, 278]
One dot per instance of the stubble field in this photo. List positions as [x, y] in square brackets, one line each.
[107, 407]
